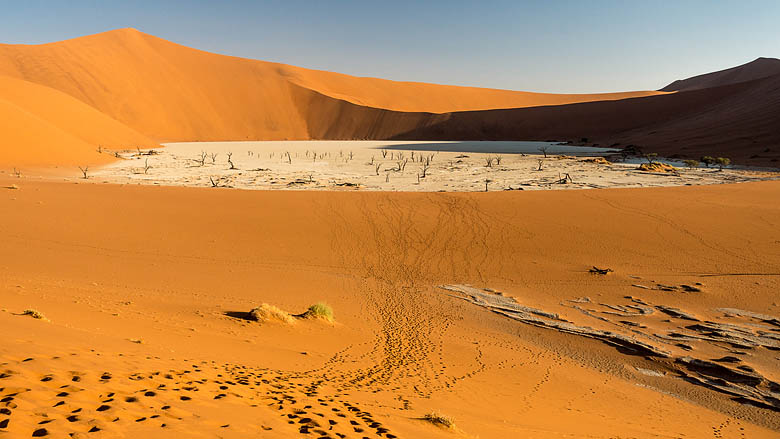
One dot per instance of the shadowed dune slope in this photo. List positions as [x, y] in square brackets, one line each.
[43, 126]
[174, 93]
[756, 69]
[738, 121]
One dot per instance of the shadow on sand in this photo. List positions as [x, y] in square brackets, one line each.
[493, 147]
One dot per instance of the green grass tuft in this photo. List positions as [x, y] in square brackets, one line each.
[321, 311]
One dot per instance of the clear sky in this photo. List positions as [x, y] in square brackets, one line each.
[554, 46]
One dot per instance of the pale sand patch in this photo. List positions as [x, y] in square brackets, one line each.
[395, 166]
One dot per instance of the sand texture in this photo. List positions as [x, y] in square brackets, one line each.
[146, 291]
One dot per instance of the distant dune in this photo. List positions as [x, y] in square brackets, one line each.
[124, 88]
[757, 69]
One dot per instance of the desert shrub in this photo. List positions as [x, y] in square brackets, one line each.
[320, 310]
[439, 420]
[269, 313]
[34, 314]
[707, 160]
[657, 167]
[722, 161]
[691, 163]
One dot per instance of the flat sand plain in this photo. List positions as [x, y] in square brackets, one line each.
[143, 288]
[409, 166]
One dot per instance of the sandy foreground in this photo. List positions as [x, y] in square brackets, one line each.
[410, 166]
[143, 289]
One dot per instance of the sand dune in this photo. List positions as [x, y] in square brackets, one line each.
[168, 92]
[175, 93]
[42, 126]
[756, 69]
[738, 121]
[401, 346]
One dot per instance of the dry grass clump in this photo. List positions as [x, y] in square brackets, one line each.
[598, 161]
[268, 313]
[656, 167]
[439, 420]
[320, 311]
[34, 314]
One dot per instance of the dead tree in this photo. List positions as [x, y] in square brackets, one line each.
[213, 158]
[565, 179]
[425, 170]
[147, 166]
[498, 159]
[202, 160]
[377, 168]
[489, 162]
[84, 171]
[218, 182]
[230, 160]
[384, 153]
[487, 180]
[17, 173]
[544, 149]
[540, 165]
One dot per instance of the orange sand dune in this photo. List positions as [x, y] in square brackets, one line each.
[42, 126]
[141, 340]
[170, 92]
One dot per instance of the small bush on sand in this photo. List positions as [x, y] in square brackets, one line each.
[34, 314]
[691, 163]
[657, 167]
[320, 311]
[439, 420]
[268, 313]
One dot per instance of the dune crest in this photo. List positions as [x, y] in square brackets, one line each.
[756, 69]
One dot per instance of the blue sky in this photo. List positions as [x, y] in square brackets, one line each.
[554, 46]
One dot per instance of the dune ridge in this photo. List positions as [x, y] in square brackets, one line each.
[756, 69]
